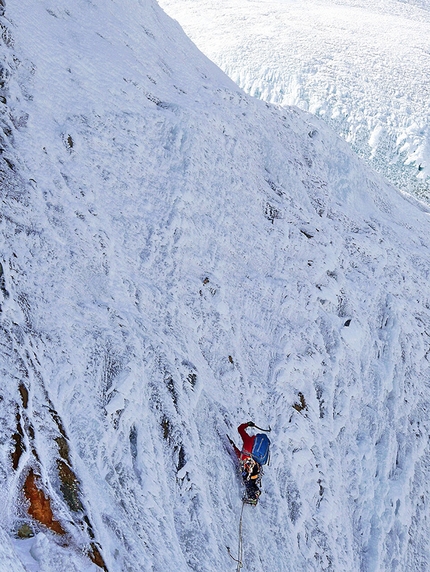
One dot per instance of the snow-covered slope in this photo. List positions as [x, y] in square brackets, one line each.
[361, 65]
[177, 258]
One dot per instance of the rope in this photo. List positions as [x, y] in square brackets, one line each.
[240, 544]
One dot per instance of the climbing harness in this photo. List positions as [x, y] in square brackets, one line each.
[240, 544]
[248, 464]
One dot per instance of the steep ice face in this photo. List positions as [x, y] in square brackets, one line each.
[362, 65]
[177, 258]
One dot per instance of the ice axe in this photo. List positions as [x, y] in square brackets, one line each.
[252, 424]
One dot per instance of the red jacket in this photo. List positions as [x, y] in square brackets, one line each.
[248, 441]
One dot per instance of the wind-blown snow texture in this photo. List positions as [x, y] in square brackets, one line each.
[361, 65]
[178, 258]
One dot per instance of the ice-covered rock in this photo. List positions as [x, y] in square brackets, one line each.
[177, 258]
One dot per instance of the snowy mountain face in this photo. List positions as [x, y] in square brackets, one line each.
[361, 65]
[177, 258]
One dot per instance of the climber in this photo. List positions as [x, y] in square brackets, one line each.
[250, 469]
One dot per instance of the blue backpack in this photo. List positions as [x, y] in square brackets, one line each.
[260, 450]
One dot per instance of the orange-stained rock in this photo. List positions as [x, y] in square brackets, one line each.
[40, 505]
[96, 557]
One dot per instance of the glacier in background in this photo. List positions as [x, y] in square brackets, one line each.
[176, 258]
[361, 65]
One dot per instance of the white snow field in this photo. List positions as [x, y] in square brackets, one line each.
[176, 258]
[361, 65]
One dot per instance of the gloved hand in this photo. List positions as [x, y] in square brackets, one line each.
[251, 424]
